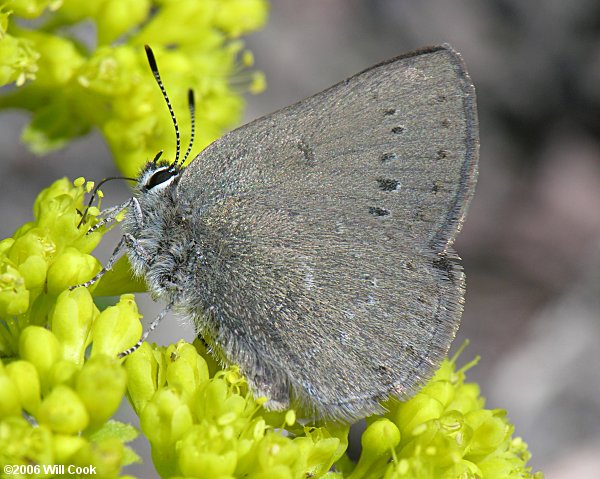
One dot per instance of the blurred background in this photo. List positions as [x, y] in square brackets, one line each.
[531, 243]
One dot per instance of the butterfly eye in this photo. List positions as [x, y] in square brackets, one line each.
[159, 177]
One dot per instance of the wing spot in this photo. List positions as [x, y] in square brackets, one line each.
[387, 184]
[444, 264]
[398, 129]
[307, 152]
[411, 350]
[390, 112]
[445, 123]
[435, 187]
[442, 154]
[387, 157]
[377, 211]
[441, 98]
[419, 214]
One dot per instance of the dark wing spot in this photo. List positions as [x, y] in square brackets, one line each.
[419, 214]
[387, 157]
[387, 184]
[377, 211]
[410, 351]
[398, 129]
[444, 264]
[390, 112]
[442, 154]
[307, 152]
[435, 187]
[445, 123]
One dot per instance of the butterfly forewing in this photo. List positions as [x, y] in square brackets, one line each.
[325, 232]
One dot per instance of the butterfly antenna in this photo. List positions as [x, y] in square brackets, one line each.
[192, 107]
[154, 68]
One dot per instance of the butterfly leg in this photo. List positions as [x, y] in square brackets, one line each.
[152, 327]
[109, 215]
[127, 242]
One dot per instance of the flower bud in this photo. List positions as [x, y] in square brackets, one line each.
[14, 297]
[195, 462]
[188, 370]
[378, 440]
[489, 431]
[71, 268]
[166, 418]
[71, 321]
[210, 400]
[41, 348]
[142, 374]
[25, 376]
[10, 404]
[276, 454]
[63, 411]
[23, 443]
[105, 456]
[442, 391]
[65, 446]
[116, 17]
[33, 270]
[58, 61]
[318, 450]
[239, 16]
[29, 9]
[101, 385]
[117, 328]
[466, 399]
[416, 411]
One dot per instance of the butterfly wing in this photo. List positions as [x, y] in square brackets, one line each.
[326, 230]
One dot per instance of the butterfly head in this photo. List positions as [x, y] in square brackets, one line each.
[158, 176]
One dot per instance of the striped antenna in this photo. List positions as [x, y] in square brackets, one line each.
[192, 107]
[154, 68]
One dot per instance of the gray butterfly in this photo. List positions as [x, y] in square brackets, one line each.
[312, 247]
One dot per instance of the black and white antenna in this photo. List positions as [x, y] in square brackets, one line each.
[154, 68]
[192, 108]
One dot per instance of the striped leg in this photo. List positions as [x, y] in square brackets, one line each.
[152, 327]
[127, 241]
[109, 215]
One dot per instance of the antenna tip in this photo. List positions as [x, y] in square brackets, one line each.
[151, 59]
[191, 101]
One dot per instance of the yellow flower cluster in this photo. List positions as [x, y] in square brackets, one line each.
[60, 380]
[202, 422]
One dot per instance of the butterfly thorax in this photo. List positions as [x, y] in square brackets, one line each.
[161, 231]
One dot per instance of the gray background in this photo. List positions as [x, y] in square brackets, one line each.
[530, 245]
